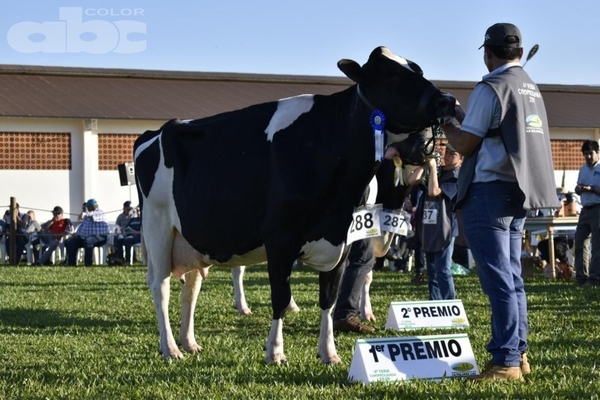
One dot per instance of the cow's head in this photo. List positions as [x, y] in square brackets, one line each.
[396, 86]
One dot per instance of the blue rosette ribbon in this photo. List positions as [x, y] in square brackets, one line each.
[377, 120]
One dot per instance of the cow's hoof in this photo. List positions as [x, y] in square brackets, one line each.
[242, 310]
[332, 359]
[193, 348]
[277, 359]
[174, 354]
[368, 317]
[293, 308]
[245, 311]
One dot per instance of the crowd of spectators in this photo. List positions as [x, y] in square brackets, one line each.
[37, 243]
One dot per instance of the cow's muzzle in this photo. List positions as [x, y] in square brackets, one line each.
[446, 106]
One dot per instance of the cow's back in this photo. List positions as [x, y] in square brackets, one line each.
[233, 176]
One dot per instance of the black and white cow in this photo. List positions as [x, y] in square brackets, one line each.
[271, 182]
[389, 189]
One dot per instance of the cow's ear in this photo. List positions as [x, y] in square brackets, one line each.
[351, 69]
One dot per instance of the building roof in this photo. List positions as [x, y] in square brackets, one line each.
[66, 92]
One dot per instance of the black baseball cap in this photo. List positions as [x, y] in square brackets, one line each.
[503, 34]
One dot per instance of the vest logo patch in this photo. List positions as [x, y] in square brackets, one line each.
[534, 124]
[534, 121]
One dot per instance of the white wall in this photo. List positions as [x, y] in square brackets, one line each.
[42, 190]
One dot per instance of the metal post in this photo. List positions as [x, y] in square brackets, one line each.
[12, 252]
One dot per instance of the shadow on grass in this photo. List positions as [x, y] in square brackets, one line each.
[50, 322]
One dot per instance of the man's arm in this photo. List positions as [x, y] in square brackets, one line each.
[464, 142]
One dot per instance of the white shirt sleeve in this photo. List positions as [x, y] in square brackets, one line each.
[483, 111]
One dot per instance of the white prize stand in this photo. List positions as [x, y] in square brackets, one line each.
[432, 314]
[423, 357]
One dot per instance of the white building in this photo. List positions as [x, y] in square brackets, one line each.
[64, 131]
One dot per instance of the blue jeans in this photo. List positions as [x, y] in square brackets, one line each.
[493, 218]
[439, 273]
[88, 243]
[360, 262]
[586, 268]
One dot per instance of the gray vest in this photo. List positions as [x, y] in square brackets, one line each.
[436, 236]
[526, 137]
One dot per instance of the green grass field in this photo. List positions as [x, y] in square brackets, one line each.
[91, 333]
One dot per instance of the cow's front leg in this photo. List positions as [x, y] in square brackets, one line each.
[366, 311]
[329, 283]
[280, 269]
[189, 298]
[239, 297]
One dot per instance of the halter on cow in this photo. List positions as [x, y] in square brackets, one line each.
[307, 161]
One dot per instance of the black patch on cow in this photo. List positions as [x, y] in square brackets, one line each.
[149, 158]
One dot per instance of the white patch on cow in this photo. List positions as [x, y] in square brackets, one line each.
[253, 257]
[395, 137]
[366, 310]
[327, 351]
[288, 110]
[373, 187]
[322, 255]
[274, 346]
[398, 59]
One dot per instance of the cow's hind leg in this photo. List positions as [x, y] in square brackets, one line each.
[366, 311]
[239, 297]
[158, 278]
[187, 260]
[329, 283]
[189, 298]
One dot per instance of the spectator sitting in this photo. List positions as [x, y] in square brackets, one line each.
[122, 221]
[33, 230]
[93, 232]
[54, 232]
[132, 235]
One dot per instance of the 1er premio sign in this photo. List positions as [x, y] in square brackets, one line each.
[424, 357]
[434, 314]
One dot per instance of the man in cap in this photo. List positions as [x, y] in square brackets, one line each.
[93, 232]
[54, 232]
[507, 170]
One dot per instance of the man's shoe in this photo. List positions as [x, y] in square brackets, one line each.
[525, 367]
[418, 278]
[494, 372]
[351, 324]
[579, 283]
[591, 284]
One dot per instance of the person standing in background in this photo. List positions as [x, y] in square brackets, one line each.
[587, 271]
[437, 225]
